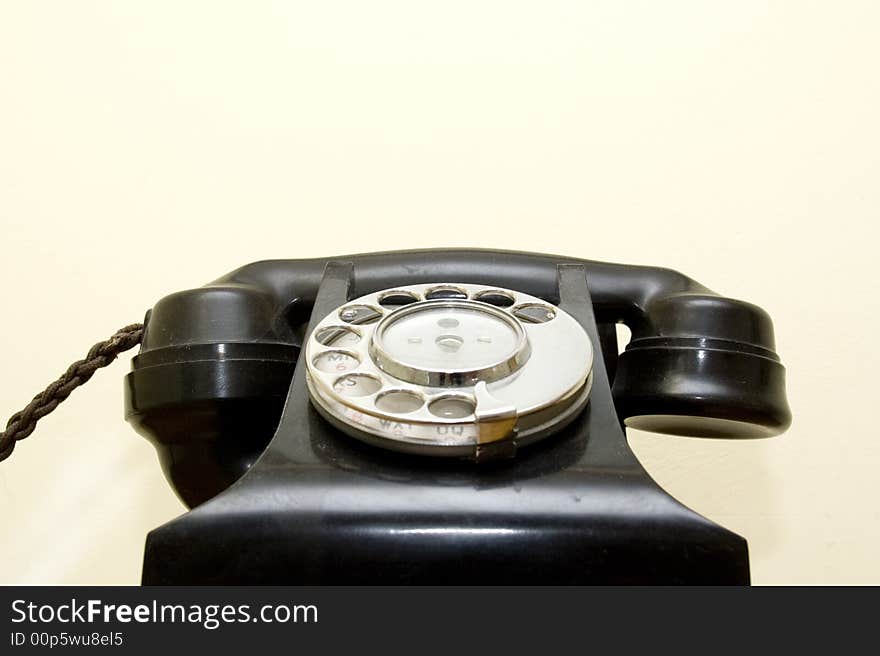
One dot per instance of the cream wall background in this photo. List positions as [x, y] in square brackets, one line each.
[151, 147]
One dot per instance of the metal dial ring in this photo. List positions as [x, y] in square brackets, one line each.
[449, 372]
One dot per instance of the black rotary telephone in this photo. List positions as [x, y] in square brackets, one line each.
[443, 416]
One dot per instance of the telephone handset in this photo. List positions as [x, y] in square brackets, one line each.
[443, 416]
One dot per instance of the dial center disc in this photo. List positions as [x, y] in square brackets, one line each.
[449, 342]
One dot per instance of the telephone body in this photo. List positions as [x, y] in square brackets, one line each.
[467, 427]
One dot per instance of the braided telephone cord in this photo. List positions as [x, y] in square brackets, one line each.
[22, 423]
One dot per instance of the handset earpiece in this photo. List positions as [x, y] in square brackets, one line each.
[209, 384]
[705, 366]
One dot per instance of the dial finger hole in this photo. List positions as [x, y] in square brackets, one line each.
[357, 385]
[444, 292]
[336, 362]
[359, 314]
[337, 336]
[534, 313]
[399, 401]
[495, 297]
[452, 407]
[397, 298]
